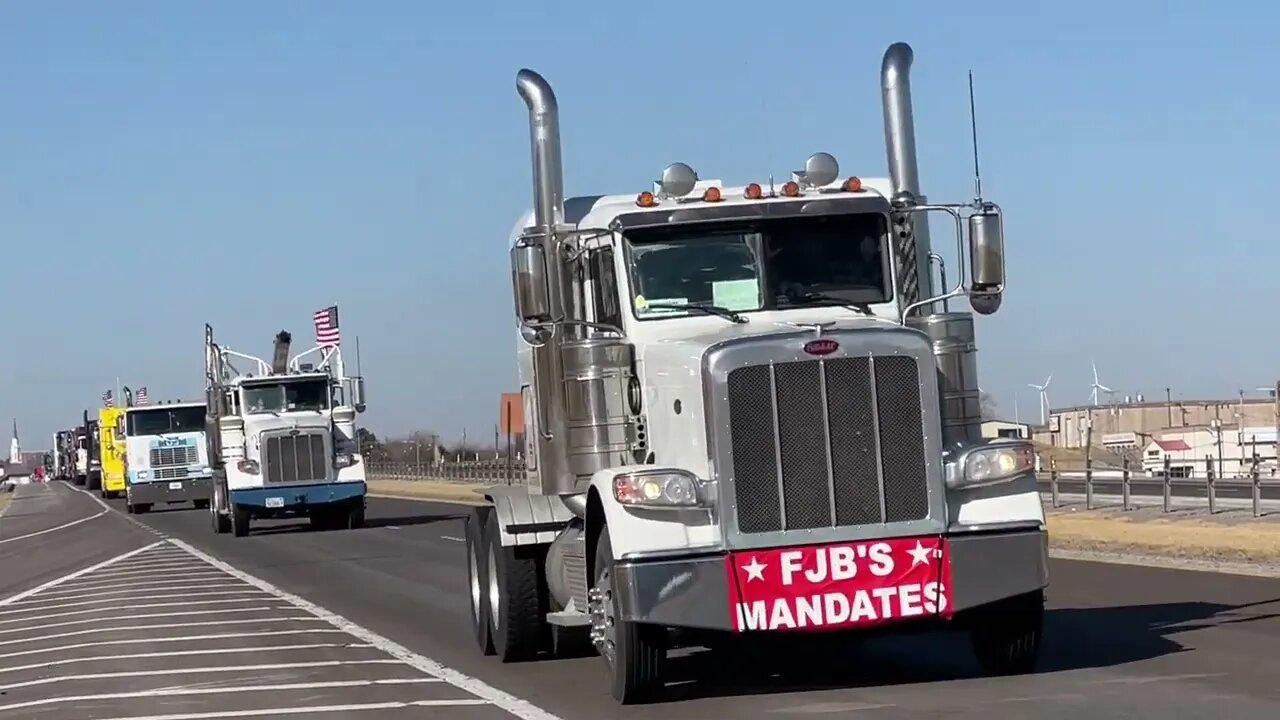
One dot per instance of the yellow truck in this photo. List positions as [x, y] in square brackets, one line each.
[111, 444]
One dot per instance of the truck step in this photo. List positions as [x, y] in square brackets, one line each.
[569, 618]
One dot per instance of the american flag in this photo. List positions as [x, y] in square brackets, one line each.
[326, 321]
[140, 398]
[107, 399]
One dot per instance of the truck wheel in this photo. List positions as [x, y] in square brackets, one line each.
[221, 523]
[1006, 635]
[636, 654]
[477, 573]
[355, 517]
[239, 520]
[516, 615]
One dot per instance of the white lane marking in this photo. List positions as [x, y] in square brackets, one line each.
[161, 571]
[1142, 680]
[184, 638]
[203, 670]
[105, 509]
[72, 576]
[304, 710]
[144, 616]
[96, 583]
[127, 590]
[177, 692]
[148, 606]
[119, 628]
[248, 591]
[455, 539]
[180, 653]
[143, 584]
[512, 704]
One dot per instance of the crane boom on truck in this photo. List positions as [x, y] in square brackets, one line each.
[282, 438]
[747, 414]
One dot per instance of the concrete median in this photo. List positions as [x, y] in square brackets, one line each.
[1231, 541]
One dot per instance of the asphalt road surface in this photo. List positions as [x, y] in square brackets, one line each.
[1122, 642]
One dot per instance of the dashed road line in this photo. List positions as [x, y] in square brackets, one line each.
[179, 653]
[184, 638]
[202, 671]
[314, 709]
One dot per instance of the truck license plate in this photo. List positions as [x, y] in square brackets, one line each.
[275, 502]
[175, 486]
[841, 585]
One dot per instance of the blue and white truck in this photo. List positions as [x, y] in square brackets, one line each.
[282, 438]
[166, 456]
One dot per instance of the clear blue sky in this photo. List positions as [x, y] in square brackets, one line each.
[148, 149]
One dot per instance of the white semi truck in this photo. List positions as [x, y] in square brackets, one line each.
[166, 455]
[748, 413]
[282, 438]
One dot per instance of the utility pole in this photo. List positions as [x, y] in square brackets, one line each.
[1168, 403]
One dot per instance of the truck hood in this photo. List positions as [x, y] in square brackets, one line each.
[691, 345]
[254, 424]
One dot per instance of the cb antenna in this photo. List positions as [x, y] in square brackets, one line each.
[973, 127]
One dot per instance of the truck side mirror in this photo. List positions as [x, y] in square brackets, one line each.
[529, 283]
[986, 258]
[357, 392]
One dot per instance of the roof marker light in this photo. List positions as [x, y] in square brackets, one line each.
[753, 192]
[646, 199]
[853, 184]
[711, 194]
[791, 189]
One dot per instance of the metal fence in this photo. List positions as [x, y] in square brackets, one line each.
[1092, 481]
[1167, 484]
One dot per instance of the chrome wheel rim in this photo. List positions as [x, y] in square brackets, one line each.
[495, 598]
[473, 566]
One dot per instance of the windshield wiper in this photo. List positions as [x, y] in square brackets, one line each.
[817, 298]
[723, 312]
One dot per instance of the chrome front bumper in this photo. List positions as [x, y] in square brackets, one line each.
[693, 591]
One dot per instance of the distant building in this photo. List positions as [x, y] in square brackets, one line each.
[19, 468]
[1229, 451]
[1135, 425]
[1004, 429]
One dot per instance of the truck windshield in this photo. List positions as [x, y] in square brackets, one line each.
[294, 396]
[769, 264]
[162, 420]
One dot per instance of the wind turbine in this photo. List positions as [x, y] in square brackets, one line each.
[1097, 385]
[1044, 398]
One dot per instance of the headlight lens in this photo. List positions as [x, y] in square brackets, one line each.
[658, 489]
[344, 460]
[998, 463]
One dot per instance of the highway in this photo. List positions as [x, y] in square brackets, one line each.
[1122, 642]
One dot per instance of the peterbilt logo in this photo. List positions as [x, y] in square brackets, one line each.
[821, 346]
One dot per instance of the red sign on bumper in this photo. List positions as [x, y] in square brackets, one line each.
[844, 585]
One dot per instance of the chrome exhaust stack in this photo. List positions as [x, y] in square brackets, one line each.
[540, 286]
[913, 246]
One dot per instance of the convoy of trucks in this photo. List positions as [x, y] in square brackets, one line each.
[282, 438]
[748, 414]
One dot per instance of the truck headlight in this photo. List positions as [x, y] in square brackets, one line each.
[344, 460]
[659, 489]
[248, 466]
[993, 464]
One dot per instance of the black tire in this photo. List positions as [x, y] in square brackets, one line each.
[1006, 636]
[239, 520]
[355, 517]
[517, 620]
[221, 523]
[635, 654]
[477, 574]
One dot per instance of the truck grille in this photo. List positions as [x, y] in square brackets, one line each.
[295, 458]
[180, 456]
[827, 443]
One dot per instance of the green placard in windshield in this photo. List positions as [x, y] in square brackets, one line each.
[736, 294]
